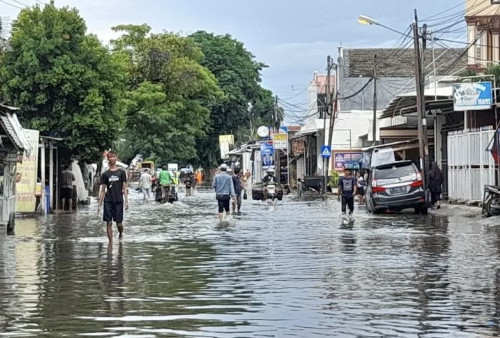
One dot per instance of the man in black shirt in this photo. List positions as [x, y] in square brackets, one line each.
[113, 192]
[67, 178]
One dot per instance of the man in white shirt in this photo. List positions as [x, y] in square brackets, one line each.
[145, 184]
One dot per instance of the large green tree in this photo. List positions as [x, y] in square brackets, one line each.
[245, 105]
[66, 82]
[170, 94]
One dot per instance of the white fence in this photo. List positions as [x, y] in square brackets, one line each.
[470, 165]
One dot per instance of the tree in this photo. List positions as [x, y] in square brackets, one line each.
[245, 102]
[170, 94]
[66, 82]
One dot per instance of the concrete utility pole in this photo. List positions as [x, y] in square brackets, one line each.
[276, 126]
[420, 89]
[325, 114]
[374, 131]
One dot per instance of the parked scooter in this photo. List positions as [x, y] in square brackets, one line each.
[491, 200]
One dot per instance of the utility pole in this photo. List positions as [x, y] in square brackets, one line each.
[422, 122]
[277, 157]
[327, 109]
[374, 131]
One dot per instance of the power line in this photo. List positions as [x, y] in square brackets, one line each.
[12, 5]
[19, 2]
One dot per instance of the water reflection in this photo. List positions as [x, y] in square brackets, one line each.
[281, 270]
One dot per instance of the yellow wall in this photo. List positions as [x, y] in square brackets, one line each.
[481, 8]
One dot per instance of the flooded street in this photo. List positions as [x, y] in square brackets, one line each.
[288, 270]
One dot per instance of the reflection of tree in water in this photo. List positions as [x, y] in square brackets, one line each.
[431, 269]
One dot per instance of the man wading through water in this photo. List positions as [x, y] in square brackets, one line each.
[347, 191]
[113, 190]
[224, 190]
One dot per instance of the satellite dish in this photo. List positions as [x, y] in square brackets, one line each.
[263, 131]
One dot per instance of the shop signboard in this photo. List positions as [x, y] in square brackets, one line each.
[472, 96]
[27, 175]
[280, 141]
[351, 160]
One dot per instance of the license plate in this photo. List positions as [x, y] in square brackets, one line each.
[398, 190]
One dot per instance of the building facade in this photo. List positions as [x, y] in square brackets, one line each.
[483, 33]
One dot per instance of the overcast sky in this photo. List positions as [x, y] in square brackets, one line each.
[293, 37]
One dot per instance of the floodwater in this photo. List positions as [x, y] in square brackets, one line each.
[275, 271]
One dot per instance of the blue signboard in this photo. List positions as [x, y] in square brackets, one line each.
[326, 151]
[351, 160]
[267, 154]
[472, 96]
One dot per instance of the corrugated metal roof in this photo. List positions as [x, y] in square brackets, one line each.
[13, 128]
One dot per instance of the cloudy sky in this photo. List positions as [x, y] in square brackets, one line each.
[293, 37]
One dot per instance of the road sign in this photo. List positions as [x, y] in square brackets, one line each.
[326, 151]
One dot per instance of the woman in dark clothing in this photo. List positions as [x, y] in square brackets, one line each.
[435, 182]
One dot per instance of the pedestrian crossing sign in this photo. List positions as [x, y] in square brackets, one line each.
[326, 151]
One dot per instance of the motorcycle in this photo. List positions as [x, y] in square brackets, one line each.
[491, 200]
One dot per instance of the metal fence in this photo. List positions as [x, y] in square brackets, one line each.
[470, 165]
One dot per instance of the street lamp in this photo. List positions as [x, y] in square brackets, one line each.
[366, 20]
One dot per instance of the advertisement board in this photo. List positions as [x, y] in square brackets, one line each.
[352, 160]
[472, 96]
[267, 154]
[27, 173]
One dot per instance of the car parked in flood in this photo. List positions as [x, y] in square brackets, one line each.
[395, 186]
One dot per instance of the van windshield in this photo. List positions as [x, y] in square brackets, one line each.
[394, 171]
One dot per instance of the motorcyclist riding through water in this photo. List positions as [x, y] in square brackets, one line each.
[269, 179]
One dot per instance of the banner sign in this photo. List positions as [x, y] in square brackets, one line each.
[351, 160]
[298, 146]
[267, 154]
[27, 175]
[280, 141]
[225, 143]
[472, 96]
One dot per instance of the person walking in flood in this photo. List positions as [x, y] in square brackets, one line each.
[67, 178]
[224, 190]
[237, 189]
[145, 184]
[435, 182]
[347, 191]
[361, 183]
[113, 193]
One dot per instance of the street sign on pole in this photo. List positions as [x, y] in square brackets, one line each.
[326, 151]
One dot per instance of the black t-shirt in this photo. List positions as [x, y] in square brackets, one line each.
[237, 185]
[346, 185]
[114, 183]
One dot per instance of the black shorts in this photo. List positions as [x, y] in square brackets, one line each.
[113, 211]
[223, 202]
[67, 193]
[361, 191]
